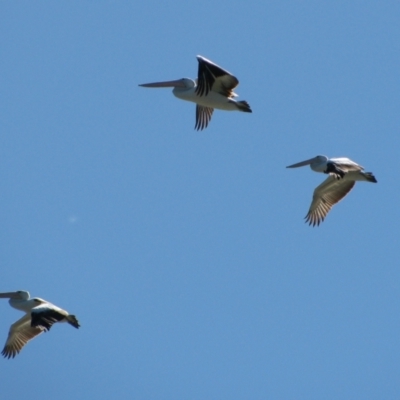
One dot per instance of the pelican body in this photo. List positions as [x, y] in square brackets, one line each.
[343, 174]
[212, 89]
[40, 315]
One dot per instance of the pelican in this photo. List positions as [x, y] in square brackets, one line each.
[343, 174]
[213, 88]
[39, 317]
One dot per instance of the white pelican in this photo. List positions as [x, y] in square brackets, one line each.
[39, 317]
[343, 175]
[213, 88]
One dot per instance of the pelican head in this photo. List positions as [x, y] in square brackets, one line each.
[312, 162]
[184, 83]
[19, 295]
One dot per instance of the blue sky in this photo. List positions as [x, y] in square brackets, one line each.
[184, 254]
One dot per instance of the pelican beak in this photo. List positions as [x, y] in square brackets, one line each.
[177, 83]
[9, 295]
[302, 163]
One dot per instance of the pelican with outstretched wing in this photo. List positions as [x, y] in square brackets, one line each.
[39, 317]
[343, 174]
[212, 89]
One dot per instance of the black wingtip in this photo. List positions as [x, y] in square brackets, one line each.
[72, 320]
[244, 106]
[370, 177]
[313, 222]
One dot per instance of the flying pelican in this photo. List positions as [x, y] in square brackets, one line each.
[213, 88]
[39, 317]
[343, 175]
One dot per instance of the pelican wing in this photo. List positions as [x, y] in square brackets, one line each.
[212, 77]
[346, 165]
[46, 315]
[203, 117]
[326, 195]
[21, 332]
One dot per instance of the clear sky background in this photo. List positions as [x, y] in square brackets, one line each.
[184, 254]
